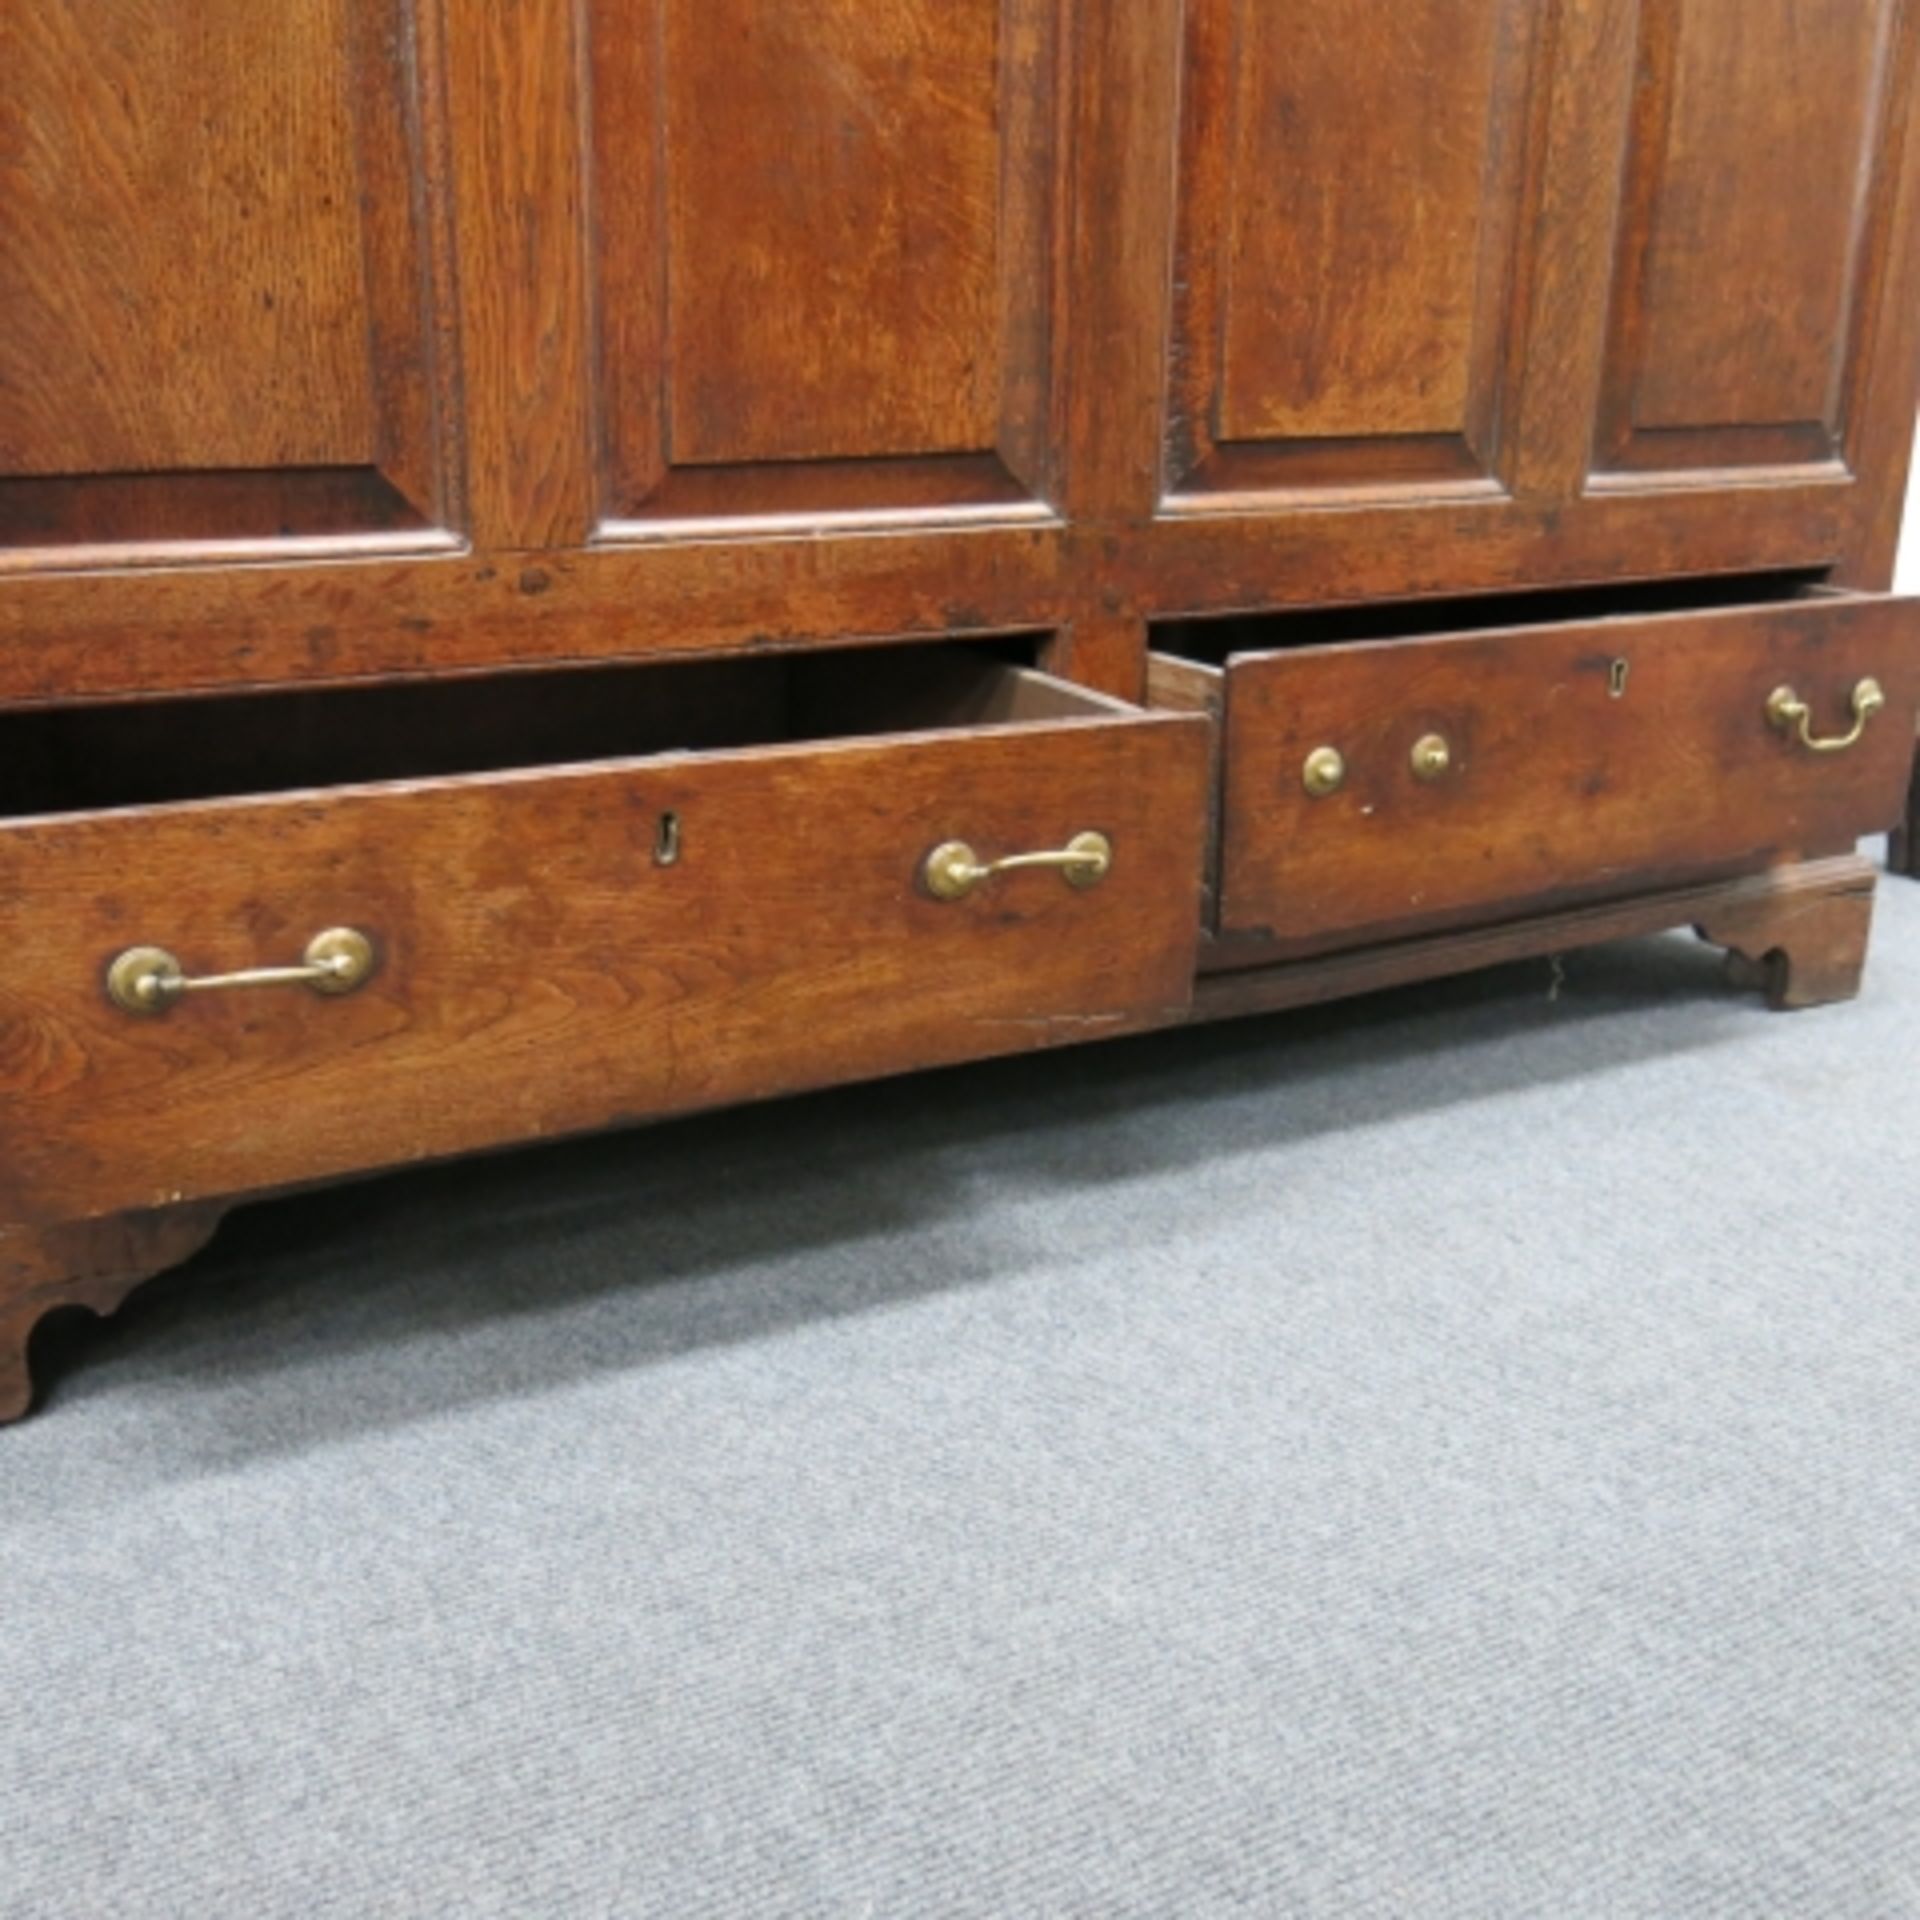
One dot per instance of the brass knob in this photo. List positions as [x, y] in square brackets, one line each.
[1325, 772]
[1432, 757]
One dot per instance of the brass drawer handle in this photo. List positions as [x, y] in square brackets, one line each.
[953, 870]
[1787, 711]
[148, 980]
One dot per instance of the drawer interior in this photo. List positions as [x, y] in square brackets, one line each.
[1210, 643]
[99, 758]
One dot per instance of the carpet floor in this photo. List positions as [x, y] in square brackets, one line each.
[1454, 1454]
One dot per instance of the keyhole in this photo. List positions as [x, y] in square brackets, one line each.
[1617, 679]
[666, 842]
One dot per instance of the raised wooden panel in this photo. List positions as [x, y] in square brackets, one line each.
[826, 255]
[213, 275]
[1352, 174]
[1754, 223]
[840, 218]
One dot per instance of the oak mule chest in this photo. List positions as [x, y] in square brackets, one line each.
[575, 560]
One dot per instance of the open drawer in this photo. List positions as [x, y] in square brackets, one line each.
[475, 912]
[1389, 770]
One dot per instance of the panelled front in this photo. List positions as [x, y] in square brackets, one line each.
[1567, 290]
[827, 255]
[246, 263]
[781, 322]
[1353, 180]
[1754, 229]
[218, 282]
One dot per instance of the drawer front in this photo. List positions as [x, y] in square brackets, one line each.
[1479, 775]
[551, 954]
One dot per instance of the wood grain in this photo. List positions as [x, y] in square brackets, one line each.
[1373, 170]
[1802, 946]
[144, 396]
[146, 141]
[1565, 284]
[1733, 310]
[1815, 908]
[65, 637]
[90, 1263]
[404, 342]
[520, 185]
[670, 302]
[832, 227]
[1125, 106]
[542, 972]
[1557, 785]
[116, 633]
[827, 249]
[1356, 185]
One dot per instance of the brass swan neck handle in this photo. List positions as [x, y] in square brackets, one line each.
[1790, 714]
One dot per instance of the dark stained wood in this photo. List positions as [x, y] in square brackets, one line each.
[146, 400]
[541, 970]
[518, 190]
[1098, 648]
[728, 353]
[1183, 686]
[1354, 188]
[89, 1263]
[1249, 557]
[1540, 305]
[1887, 348]
[1737, 295]
[1125, 102]
[1813, 917]
[1801, 945]
[800, 322]
[68, 637]
[65, 637]
[827, 255]
[1806, 925]
[1904, 851]
[1559, 784]
[1564, 283]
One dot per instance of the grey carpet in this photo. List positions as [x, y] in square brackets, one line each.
[1452, 1455]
